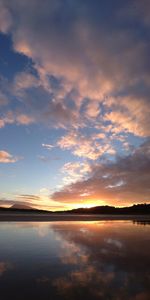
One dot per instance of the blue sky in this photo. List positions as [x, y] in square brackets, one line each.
[74, 103]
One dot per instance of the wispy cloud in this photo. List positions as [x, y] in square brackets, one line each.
[48, 146]
[6, 157]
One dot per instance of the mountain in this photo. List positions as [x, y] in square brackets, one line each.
[23, 209]
[21, 206]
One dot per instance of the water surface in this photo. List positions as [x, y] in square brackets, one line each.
[75, 260]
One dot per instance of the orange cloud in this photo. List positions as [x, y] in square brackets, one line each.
[6, 157]
[119, 183]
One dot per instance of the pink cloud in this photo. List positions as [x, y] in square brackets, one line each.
[6, 157]
[131, 115]
[25, 80]
[24, 119]
[88, 61]
[90, 147]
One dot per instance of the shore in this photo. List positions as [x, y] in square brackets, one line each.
[22, 217]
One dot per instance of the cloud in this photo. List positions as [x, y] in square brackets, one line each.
[85, 56]
[7, 118]
[37, 201]
[6, 157]
[25, 80]
[90, 146]
[122, 182]
[47, 146]
[92, 109]
[45, 100]
[5, 19]
[33, 201]
[75, 171]
[131, 115]
[3, 99]
[24, 119]
[17, 118]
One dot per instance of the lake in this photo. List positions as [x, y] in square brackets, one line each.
[75, 260]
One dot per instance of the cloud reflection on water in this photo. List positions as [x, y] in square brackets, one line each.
[92, 260]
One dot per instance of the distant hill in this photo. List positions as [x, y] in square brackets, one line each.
[135, 209]
[23, 209]
[21, 206]
[138, 209]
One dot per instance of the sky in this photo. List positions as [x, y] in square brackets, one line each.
[74, 103]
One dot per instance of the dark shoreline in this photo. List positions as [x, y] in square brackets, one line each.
[20, 217]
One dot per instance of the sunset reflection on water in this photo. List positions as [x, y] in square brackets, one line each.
[73, 260]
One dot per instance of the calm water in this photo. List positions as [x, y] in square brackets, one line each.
[75, 260]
